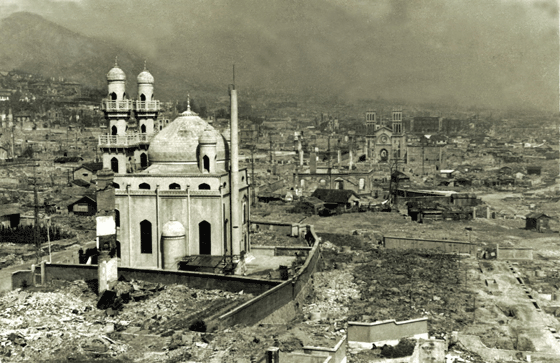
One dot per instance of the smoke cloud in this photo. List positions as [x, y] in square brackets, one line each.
[493, 53]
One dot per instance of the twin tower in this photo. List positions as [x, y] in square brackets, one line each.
[125, 151]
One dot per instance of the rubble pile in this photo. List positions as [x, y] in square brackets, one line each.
[404, 285]
[141, 317]
[268, 238]
[333, 292]
[175, 307]
[41, 325]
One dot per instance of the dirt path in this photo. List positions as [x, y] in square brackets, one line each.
[506, 316]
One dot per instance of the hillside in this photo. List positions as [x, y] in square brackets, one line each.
[33, 44]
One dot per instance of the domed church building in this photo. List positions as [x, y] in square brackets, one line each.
[190, 202]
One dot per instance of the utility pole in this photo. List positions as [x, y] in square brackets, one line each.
[13, 142]
[253, 194]
[423, 158]
[270, 148]
[36, 207]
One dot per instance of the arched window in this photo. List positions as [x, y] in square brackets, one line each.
[206, 163]
[145, 186]
[339, 184]
[174, 186]
[142, 97]
[145, 237]
[113, 96]
[117, 218]
[204, 186]
[143, 128]
[362, 184]
[143, 160]
[113, 130]
[244, 220]
[115, 165]
[204, 238]
[116, 185]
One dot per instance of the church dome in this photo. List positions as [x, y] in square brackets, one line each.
[145, 77]
[116, 74]
[178, 142]
[173, 229]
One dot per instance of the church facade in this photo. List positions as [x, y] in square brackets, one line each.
[385, 141]
[180, 204]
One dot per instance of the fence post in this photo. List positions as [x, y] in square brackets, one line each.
[33, 274]
[43, 272]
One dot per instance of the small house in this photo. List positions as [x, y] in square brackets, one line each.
[87, 171]
[337, 198]
[534, 170]
[10, 215]
[83, 206]
[537, 221]
[309, 205]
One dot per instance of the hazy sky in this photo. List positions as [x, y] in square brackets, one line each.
[502, 53]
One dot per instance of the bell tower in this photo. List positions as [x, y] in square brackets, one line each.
[398, 134]
[146, 107]
[116, 107]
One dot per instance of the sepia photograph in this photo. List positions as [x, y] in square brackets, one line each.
[280, 181]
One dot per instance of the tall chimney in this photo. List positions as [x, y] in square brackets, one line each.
[234, 177]
[313, 162]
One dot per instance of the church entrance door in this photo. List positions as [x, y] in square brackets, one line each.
[204, 238]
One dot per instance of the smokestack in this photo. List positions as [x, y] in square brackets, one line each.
[313, 162]
[234, 176]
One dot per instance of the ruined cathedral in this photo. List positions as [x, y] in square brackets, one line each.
[178, 192]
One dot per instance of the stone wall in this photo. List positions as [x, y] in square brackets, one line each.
[198, 280]
[387, 331]
[514, 253]
[440, 245]
[281, 302]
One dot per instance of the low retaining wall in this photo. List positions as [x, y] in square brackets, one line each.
[279, 251]
[387, 331]
[198, 280]
[440, 245]
[514, 253]
[280, 303]
[289, 229]
[21, 279]
[337, 354]
[303, 358]
[318, 354]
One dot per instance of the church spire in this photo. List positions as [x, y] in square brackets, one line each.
[188, 112]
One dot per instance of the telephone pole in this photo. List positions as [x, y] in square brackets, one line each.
[253, 183]
[36, 207]
[13, 142]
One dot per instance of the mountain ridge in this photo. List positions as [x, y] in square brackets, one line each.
[36, 45]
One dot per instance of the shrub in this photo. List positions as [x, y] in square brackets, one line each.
[403, 349]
